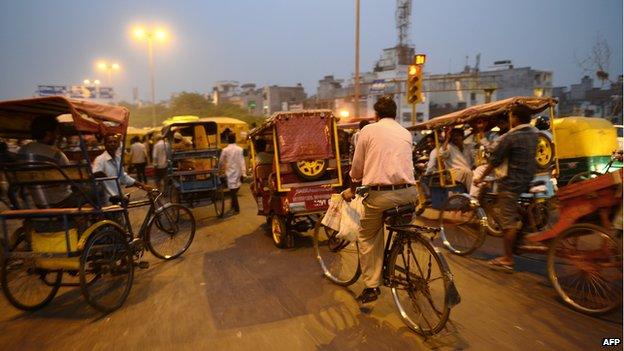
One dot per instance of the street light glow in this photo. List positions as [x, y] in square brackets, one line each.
[115, 66]
[101, 65]
[161, 35]
[139, 33]
[86, 82]
[344, 114]
[96, 82]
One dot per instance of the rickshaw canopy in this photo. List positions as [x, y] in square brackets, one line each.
[492, 110]
[16, 116]
[301, 135]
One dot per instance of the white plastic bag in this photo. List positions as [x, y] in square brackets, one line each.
[350, 221]
[334, 212]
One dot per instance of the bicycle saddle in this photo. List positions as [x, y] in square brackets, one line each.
[399, 210]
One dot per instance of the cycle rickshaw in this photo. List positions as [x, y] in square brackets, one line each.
[193, 162]
[92, 242]
[299, 173]
[584, 258]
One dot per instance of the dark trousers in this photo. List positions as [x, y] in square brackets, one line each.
[234, 197]
[139, 169]
[160, 174]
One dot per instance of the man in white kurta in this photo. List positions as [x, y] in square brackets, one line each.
[232, 164]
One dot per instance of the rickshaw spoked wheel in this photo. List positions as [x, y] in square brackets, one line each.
[545, 152]
[171, 232]
[218, 200]
[579, 177]
[462, 223]
[585, 268]
[278, 231]
[106, 269]
[310, 170]
[27, 287]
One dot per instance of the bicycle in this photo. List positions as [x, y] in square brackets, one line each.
[167, 230]
[413, 269]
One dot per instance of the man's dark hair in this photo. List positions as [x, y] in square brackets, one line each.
[362, 124]
[41, 125]
[457, 131]
[385, 107]
[523, 116]
[231, 138]
[135, 139]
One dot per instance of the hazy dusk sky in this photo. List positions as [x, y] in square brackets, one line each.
[284, 42]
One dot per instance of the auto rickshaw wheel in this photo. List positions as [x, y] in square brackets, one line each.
[310, 170]
[106, 269]
[278, 231]
[545, 154]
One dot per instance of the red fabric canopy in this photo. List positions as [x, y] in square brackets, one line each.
[90, 117]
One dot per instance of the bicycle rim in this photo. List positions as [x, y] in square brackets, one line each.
[339, 259]
[419, 285]
[171, 232]
[585, 268]
[463, 231]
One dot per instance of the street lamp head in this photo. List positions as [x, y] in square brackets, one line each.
[161, 35]
[86, 82]
[139, 33]
[116, 66]
[96, 82]
[101, 65]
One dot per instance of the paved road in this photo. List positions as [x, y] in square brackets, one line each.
[233, 290]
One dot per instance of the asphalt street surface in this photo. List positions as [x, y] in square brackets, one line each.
[233, 290]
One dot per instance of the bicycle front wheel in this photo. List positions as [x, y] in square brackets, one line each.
[462, 230]
[585, 268]
[171, 231]
[339, 259]
[418, 283]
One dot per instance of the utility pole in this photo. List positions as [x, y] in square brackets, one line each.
[356, 98]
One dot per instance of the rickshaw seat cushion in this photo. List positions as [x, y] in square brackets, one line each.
[54, 242]
[399, 210]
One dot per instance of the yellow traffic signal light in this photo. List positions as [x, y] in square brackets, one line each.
[414, 84]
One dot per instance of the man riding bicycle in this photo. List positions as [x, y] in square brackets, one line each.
[518, 148]
[383, 162]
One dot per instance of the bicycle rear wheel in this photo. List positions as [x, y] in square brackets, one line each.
[419, 285]
[339, 259]
[585, 268]
[462, 229]
[171, 231]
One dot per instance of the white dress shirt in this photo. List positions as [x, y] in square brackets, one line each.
[383, 155]
[111, 167]
[233, 163]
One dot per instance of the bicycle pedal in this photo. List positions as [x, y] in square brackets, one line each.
[142, 264]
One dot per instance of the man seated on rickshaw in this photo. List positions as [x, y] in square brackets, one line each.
[262, 156]
[108, 164]
[454, 159]
[44, 131]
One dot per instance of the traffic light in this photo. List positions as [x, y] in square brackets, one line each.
[414, 84]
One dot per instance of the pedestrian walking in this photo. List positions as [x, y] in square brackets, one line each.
[232, 164]
[159, 158]
[138, 158]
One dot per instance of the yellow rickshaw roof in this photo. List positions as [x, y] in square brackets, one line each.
[492, 110]
[229, 120]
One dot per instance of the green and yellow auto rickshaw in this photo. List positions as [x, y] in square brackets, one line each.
[585, 146]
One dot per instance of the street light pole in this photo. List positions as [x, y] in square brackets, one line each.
[356, 96]
[150, 36]
[150, 58]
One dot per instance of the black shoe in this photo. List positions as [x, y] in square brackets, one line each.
[368, 295]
